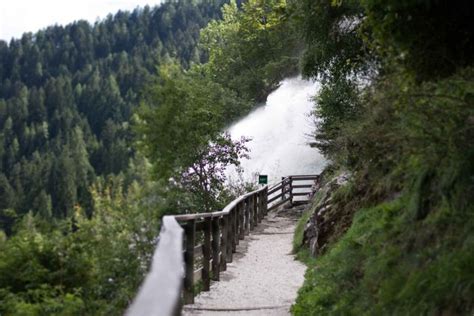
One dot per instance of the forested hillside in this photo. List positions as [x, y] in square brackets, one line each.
[67, 94]
[78, 214]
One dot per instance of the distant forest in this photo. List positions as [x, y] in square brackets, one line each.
[67, 95]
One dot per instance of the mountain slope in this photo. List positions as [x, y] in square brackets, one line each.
[66, 99]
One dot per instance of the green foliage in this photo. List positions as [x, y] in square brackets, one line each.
[181, 134]
[81, 218]
[333, 48]
[427, 122]
[409, 255]
[406, 135]
[338, 103]
[390, 263]
[184, 112]
[429, 38]
[251, 50]
[350, 42]
[81, 266]
[335, 52]
[67, 95]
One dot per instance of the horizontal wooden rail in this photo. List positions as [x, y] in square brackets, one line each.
[300, 193]
[302, 186]
[288, 188]
[279, 203]
[221, 232]
[210, 239]
[304, 177]
[166, 268]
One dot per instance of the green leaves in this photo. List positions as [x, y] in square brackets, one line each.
[338, 105]
[181, 116]
[81, 265]
[252, 50]
[180, 127]
[396, 107]
[334, 46]
[67, 94]
[430, 39]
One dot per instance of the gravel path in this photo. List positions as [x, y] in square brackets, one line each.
[263, 278]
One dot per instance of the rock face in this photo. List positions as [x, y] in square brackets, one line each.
[325, 215]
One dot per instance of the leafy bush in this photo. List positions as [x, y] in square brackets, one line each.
[80, 266]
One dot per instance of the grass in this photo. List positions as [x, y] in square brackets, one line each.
[393, 263]
[401, 235]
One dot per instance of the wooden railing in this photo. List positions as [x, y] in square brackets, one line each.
[292, 189]
[210, 239]
[220, 234]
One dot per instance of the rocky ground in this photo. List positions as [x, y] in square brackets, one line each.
[327, 219]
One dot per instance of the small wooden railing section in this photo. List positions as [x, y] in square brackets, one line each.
[195, 248]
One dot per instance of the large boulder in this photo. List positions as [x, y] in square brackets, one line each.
[324, 213]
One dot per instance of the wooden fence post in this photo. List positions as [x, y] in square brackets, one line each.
[236, 223]
[242, 220]
[225, 227]
[206, 255]
[251, 212]
[261, 202]
[230, 236]
[235, 233]
[190, 233]
[256, 217]
[215, 248]
[247, 216]
[283, 183]
[265, 201]
[291, 189]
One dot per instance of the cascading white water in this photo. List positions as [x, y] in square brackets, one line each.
[280, 131]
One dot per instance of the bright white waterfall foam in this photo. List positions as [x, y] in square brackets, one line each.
[280, 132]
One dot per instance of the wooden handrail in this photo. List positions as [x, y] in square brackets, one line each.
[210, 239]
[277, 185]
[225, 211]
[166, 268]
[284, 191]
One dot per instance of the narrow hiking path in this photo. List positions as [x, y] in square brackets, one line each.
[263, 278]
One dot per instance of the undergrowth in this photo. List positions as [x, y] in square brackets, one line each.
[410, 248]
[390, 263]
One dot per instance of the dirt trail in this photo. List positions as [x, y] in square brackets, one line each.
[263, 279]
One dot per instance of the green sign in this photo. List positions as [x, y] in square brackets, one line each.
[262, 179]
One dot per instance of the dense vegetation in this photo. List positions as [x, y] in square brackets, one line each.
[185, 111]
[79, 205]
[251, 50]
[79, 215]
[396, 109]
[67, 95]
[79, 211]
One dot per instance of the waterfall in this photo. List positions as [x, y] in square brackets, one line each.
[280, 130]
